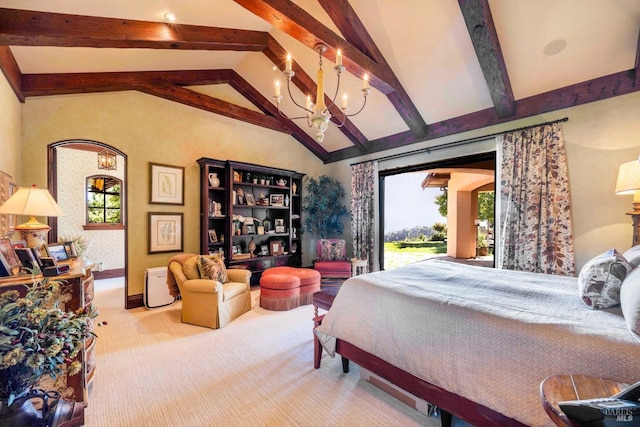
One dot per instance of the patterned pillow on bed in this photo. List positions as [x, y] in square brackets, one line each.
[630, 302]
[633, 256]
[600, 279]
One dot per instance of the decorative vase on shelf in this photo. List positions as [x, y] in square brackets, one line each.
[294, 187]
[214, 180]
[252, 248]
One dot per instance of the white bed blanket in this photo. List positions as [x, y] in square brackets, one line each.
[491, 336]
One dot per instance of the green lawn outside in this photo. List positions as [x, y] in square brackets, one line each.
[432, 248]
[397, 254]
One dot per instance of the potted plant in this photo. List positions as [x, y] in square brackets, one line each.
[323, 206]
[483, 245]
[37, 337]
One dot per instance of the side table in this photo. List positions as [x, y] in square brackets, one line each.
[559, 388]
[359, 266]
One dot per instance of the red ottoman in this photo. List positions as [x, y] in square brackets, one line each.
[309, 280]
[309, 284]
[279, 292]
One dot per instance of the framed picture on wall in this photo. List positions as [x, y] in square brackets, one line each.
[165, 232]
[167, 184]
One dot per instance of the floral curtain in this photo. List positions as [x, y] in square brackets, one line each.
[363, 211]
[535, 222]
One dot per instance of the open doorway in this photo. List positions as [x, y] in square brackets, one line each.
[93, 198]
[443, 209]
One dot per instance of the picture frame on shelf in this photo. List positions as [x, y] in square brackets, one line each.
[18, 244]
[5, 270]
[27, 259]
[213, 236]
[165, 232]
[166, 184]
[279, 221]
[275, 247]
[280, 229]
[9, 255]
[236, 250]
[264, 250]
[70, 247]
[251, 201]
[57, 251]
[276, 199]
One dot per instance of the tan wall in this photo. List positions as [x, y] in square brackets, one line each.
[149, 129]
[10, 126]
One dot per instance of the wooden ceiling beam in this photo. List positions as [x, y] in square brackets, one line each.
[201, 101]
[352, 28]
[11, 71]
[29, 28]
[293, 20]
[477, 16]
[598, 89]
[276, 53]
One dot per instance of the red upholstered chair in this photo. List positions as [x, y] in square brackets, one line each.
[332, 262]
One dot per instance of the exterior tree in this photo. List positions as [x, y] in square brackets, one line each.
[486, 205]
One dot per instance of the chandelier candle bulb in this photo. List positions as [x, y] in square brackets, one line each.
[344, 102]
[365, 81]
[288, 62]
[339, 57]
[308, 102]
[277, 88]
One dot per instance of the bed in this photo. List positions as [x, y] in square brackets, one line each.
[474, 341]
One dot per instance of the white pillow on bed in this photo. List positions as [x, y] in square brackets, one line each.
[600, 279]
[630, 302]
[632, 255]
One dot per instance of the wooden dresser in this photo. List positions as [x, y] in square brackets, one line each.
[80, 285]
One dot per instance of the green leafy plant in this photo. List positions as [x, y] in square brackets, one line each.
[322, 206]
[37, 336]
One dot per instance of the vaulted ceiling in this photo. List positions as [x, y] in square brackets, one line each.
[436, 67]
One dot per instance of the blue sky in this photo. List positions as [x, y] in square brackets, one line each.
[406, 205]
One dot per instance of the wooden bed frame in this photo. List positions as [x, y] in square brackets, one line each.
[448, 403]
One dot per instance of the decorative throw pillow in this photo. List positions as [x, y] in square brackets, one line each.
[632, 255]
[630, 302]
[190, 268]
[332, 250]
[600, 279]
[212, 267]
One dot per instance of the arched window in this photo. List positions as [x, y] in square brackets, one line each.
[104, 202]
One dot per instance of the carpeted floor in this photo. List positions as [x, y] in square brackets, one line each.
[153, 370]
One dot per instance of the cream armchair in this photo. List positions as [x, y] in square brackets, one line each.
[208, 302]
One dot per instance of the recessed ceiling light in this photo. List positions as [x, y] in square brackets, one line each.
[169, 17]
[554, 47]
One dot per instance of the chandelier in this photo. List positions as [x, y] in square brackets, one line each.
[107, 160]
[318, 115]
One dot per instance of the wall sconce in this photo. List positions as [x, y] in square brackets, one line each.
[32, 202]
[629, 183]
[107, 160]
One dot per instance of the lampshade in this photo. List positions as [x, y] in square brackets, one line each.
[32, 202]
[628, 177]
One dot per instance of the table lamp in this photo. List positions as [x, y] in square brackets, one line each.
[32, 202]
[629, 183]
